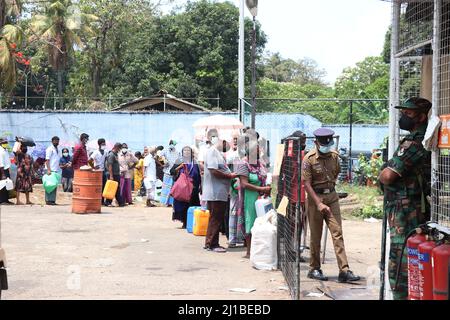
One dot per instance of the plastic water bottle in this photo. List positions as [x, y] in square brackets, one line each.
[269, 179]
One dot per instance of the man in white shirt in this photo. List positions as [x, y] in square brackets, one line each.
[5, 164]
[150, 175]
[99, 159]
[52, 157]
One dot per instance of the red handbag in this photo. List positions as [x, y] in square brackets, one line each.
[182, 188]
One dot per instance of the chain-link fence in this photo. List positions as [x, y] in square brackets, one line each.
[361, 124]
[290, 225]
[441, 97]
[420, 67]
[82, 103]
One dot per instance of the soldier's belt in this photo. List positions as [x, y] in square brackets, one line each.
[324, 191]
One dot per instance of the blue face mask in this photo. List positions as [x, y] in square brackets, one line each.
[327, 148]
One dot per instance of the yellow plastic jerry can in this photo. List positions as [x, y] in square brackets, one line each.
[110, 189]
[201, 220]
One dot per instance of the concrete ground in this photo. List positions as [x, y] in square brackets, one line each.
[362, 244]
[139, 253]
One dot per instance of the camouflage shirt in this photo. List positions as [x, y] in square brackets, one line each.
[405, 201]
[413, 164]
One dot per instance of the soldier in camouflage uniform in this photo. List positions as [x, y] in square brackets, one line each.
[406, 184]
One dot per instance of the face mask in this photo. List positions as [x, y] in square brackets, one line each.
[214, 140]
[65, 154]
[406, 123]
[124, 151]
[103, 147]
[327, 148]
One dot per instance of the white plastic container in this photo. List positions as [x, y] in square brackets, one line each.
[9, 184]
[263, 206]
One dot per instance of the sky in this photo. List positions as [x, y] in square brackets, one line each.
[335, 33]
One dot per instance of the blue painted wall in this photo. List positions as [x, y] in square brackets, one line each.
[141, 129]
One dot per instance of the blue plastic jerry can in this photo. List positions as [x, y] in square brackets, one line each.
[190, 219]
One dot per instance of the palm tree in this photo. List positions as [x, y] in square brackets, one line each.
[60, 29]
[10, 36]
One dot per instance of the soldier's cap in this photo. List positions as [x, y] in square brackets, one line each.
[324, 135]
[415, 103]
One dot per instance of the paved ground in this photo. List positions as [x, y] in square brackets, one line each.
[139, 253]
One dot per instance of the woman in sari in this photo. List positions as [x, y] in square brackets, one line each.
[186, 165]
[252, 183]
[139, 171]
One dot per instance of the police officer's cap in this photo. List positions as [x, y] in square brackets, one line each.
[324, 135]
[416, 103]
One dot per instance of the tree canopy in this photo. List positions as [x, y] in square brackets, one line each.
[81, 54]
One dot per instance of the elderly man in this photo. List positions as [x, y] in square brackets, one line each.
[216, 188]
[319, 173]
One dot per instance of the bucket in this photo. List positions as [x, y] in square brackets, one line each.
[87, 191]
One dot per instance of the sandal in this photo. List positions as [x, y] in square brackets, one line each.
[219, 249]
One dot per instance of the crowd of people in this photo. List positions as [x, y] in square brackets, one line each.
[227, 178]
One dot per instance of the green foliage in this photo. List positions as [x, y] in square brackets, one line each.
[371, 208]
[189, 53]
[369, 170]
[129, 49]
[368, 79]
[10, 38]
[369, 199]
[304, 71]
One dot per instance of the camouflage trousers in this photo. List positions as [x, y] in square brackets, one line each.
[404, 215]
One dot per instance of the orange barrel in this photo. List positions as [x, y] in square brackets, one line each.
[87, 191]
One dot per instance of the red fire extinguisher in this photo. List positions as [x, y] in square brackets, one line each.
[425, 269]
[440, 257]
[413, 265]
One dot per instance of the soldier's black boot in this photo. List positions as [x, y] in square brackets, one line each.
[317, 274]
[347, 276]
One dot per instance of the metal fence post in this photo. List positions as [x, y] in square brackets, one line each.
[298, 216]
[109, 102]
[54, 101]
[1, 99]
[350, 142]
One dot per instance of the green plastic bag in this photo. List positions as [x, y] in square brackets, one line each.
[51, 181]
